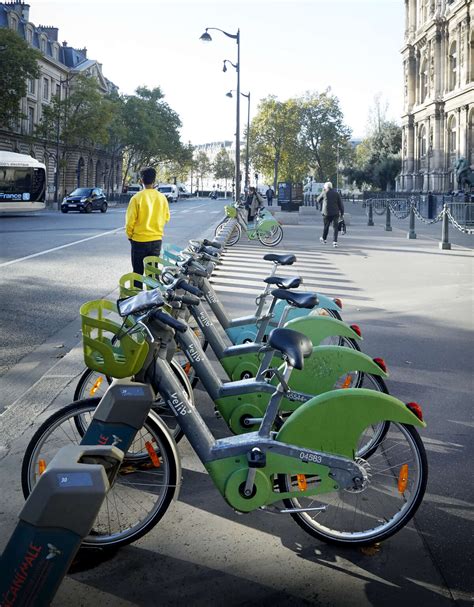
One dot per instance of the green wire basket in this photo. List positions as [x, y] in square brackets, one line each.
[106, 348]
[133, 283]
[153, 266]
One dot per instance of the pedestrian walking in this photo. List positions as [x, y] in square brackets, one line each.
[269, 194]
[253, 203]
[147, 214]
[332, 208]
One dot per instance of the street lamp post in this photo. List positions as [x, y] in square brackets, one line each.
[247, 173]
[207, 38]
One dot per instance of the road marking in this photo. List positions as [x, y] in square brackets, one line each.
[64, 246]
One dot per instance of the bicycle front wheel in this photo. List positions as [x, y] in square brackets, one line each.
[272, 237]
[235, 235]
[94, 384]
[393, 488]
[142, 491]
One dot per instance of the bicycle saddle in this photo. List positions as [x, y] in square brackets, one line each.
[146, 300]
[283, 260]
[292, 344]
[299, 300]
[284, 282]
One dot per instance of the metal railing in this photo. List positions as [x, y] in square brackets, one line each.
[459, 214]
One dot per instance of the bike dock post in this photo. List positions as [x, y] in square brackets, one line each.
[445, 244]
[411, 229]
[58, 514]
[388, 225]
[370, 221]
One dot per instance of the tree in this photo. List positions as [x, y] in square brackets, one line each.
[223, 166]
[19, 64]
[377, 158]
[324, 137]
[83, 116]
[202, 166]
[152, 130]
[273, 134]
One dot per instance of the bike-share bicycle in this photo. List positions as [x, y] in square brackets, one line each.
[265, 228]
[312, 461]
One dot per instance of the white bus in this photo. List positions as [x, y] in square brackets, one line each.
[22, 183]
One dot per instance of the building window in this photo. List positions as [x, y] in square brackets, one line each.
[471, 56]
[453, 67]
[45, 89]
[422, 144]
[452, 138]
[31, 120]
[43, 45]
[29, 35]
[58, 91]
[13, 23]
[32, 86]
[424, 81]
[470, 138]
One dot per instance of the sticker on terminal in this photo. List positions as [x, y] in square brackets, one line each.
[74, 479]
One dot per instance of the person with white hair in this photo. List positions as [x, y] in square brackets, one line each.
[332, 208]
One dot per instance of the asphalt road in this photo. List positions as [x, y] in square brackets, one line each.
[51, 263]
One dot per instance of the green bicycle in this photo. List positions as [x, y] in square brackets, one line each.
[265, 228]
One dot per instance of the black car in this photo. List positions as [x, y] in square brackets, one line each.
[85, 200]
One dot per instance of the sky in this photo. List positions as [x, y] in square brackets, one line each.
[287, 47]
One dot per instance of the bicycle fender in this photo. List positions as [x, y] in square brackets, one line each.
[318, 328]
[159, 422]
[334, 421]
[242, 334]
[326, 365]
[240, 366]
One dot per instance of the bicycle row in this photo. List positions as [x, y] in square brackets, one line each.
[312, 429]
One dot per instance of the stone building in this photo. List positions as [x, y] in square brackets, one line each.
[438, 119]
[59, 65]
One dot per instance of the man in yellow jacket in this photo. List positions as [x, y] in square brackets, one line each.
[147, 214]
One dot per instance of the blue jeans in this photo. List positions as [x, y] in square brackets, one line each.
[140, 250]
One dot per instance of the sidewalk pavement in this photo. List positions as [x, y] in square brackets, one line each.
[414, 305]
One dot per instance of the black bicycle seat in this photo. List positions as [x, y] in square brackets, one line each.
[297, 299]
[293, 345]
[284, 282]
[282, 260]
[137, 304]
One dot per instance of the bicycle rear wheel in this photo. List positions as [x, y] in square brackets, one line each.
[272, 237]
[142, 491]
[395, 482]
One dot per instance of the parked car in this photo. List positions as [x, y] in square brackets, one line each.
[132, 189]
[170, 191]
[183, 192]
[85, 200]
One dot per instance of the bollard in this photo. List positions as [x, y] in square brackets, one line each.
[370, 222]
[445, 244]
[411, 230]
[388, 226]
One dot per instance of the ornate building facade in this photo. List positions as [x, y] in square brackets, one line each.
[59, 65]
[438, 119]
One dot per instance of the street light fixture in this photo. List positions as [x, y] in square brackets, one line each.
[247, 174]
[206, 37]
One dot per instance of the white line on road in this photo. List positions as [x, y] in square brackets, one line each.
[64, 246]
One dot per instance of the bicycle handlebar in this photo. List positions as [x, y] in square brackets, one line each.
[166, 319]
[183, 284]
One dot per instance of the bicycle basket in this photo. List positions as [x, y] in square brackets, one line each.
[117, 358]
[132, 283]
[171, 252]
[153, 266]
[230, 211]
